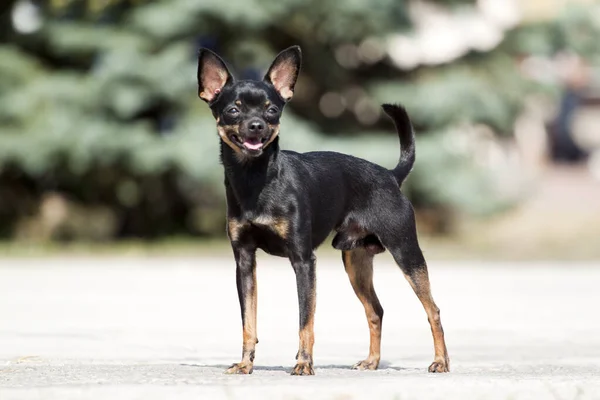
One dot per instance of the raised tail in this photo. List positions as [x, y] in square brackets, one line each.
[407, 140]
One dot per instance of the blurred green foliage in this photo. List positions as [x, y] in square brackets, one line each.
[576, 30]
[98, 108]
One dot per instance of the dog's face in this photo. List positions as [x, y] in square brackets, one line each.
[248, 112]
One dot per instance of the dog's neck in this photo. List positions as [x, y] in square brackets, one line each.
[247, 177]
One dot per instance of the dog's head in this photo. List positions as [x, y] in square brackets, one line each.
[248, 111]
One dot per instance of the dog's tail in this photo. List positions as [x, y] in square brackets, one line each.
[407, 140]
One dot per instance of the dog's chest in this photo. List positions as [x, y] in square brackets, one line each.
[267, 232]
[267, 222]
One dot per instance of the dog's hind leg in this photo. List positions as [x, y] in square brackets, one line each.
[359, 267]
[402, 243]
[419, 281]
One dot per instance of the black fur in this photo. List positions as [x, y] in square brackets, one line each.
[287, 203]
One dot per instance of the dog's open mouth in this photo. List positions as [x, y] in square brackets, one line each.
[252, 144]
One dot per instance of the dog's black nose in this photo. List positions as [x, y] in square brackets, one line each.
[256, 127]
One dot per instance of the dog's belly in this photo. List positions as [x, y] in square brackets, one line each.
[351, 236]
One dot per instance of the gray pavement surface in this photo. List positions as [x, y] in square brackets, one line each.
[162, 328]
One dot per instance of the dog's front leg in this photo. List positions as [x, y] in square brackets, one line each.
[246, 285]
[304, 267]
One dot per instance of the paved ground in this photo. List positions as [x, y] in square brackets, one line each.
[166, 328]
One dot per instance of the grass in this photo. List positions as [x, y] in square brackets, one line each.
[128, 247]
[471, 245]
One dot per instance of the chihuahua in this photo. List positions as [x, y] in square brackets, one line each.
[287, 203]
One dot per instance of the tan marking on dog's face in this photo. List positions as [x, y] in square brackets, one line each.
[224, 132]
[234, 228]
[238, 103]
[274, 133]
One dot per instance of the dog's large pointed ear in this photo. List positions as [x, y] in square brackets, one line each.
[213, 75]
[284, 71]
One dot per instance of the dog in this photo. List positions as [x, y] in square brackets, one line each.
[287, 204]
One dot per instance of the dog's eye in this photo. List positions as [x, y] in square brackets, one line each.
[272, 110]
[233, 111]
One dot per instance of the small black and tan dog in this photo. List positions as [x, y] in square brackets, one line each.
[287, 203]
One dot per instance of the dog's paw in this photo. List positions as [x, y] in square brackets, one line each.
[440, 366]
[303, 368]
[240, 368]
[366, 365]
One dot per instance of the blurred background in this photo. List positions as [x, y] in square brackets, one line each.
[104, 143]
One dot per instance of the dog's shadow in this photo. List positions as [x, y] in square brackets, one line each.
[279, 368]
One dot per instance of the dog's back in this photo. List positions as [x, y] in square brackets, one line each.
[287, 203]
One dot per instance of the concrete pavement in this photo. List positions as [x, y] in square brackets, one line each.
[154, 328]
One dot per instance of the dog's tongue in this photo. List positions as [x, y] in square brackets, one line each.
[253, 144]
